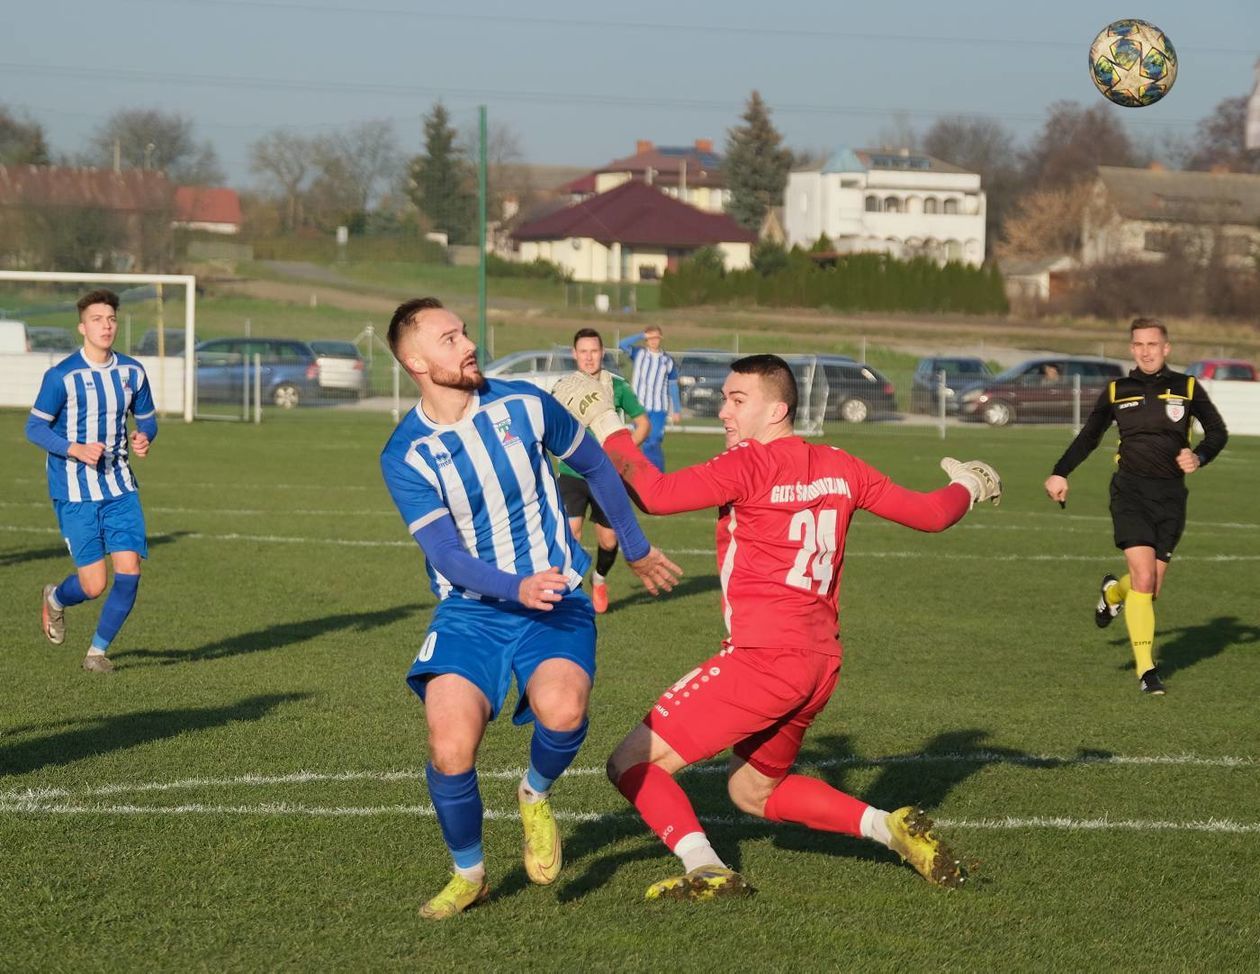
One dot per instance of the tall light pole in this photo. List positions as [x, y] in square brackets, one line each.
[481, 235]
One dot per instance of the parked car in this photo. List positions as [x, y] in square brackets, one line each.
[48, 338]
[544, 367]
[856, 392]
[173, 341]
[701, 373]
[961, 373]
[13, 337]
[1222, 368]
[1038, 390]
[290, 372]
[342, 371]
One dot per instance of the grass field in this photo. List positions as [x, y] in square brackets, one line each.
[245, 792]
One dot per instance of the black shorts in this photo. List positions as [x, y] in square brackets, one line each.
[577, 497]
[1147, 512]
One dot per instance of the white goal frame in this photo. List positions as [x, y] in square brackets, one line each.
[187, 281]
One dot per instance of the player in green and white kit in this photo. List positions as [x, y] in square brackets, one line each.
[588, 349]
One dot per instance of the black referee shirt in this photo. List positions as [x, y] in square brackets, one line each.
[1154, 414]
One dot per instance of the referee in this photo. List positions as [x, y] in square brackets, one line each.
[1154, 409]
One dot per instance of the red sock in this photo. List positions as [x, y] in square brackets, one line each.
[813, 803]
[661, 802]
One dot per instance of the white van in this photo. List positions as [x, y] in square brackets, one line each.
[13, 338]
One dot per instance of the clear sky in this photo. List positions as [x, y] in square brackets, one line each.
[580, 82]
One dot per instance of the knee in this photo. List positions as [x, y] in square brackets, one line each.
[92, 587]
[747, 800]
[564, 712]
[1142, 582]
[451, 757]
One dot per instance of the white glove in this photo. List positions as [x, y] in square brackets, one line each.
[981, 480]
[587, 399]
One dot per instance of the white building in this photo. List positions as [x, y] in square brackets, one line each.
[1252, 134]
[896, 202]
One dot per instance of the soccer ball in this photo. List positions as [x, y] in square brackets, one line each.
[1132, 63]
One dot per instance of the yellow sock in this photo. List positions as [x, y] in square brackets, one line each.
[1139, 616]
[1118, 592]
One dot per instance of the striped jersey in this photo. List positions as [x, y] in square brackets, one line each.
[652, 372]
[491, 474]
[88, 403]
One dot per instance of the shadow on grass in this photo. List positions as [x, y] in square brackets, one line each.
[103, 735]
[272, 637]
[59, 550]
[1180, 649]
[690, 585]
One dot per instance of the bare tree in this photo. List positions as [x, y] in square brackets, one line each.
[1074, 142]
[1046, 223]
[355, 165]
[1220, 139]
[506, 174]
[285, 161]
[147, 138]
[22, 140]
[984, 146]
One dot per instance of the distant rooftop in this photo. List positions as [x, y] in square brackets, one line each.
[904, 160]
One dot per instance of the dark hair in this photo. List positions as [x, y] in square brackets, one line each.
[404, 318]
[587, 333]
[776, 373]
[1148, 323]
[99, 296]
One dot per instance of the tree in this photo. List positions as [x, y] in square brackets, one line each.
[359, 162]
[505, 173]
[441, 179]
[1073, 143]
[285, 161]
[22, 141]
[984, 146]
[1046, 223]
[1220, 139]
[147, 138]
[756, 165]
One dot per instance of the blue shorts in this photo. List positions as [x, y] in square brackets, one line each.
[93, 529]
[488, 642]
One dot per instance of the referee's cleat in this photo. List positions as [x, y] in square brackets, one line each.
[702, 883]
[542, 854]
[912, 839]
[53, 621]
[599, 598]
[1104, 612]
[458, 895]
[97, 663]
[1151, 683]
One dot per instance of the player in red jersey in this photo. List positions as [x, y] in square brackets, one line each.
[784, 509]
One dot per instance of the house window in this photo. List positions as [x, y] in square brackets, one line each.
[850, 184]
[951, 206]
[892, 205]
[872, 204]
[1157, 241]
[930, 205]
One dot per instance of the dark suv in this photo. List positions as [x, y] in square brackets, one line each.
[290, 372]
[855, 391]
[1039, 390]
[961, 373]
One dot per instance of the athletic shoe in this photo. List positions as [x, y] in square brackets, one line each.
[543, 856]
[599, 598]
[1151, 683]
[912, 839]
[97, 663]
[1104, 611]
[458, 895]
[702, 883]
[54, 620]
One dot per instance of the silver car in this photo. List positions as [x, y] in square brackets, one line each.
[341, 368]
[544, 367]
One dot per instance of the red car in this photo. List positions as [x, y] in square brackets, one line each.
[1222, 368]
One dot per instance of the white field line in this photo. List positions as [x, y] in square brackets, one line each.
[706, 552]
[47, 794]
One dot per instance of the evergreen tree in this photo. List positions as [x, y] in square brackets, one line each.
[756, 165]
[441, 180]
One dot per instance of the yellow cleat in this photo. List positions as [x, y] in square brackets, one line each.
[542, 853]
[702, 883]
[912, 839]
[458, 895]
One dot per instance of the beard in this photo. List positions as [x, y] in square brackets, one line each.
[468, 378]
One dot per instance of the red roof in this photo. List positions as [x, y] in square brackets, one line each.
[635, 213]
[129, 190]
[583, 184]
[207, 204]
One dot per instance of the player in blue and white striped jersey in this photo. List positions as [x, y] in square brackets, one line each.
[655, 382]
[469, 472]
[80, 419]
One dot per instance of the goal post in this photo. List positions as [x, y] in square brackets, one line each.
[189, 284]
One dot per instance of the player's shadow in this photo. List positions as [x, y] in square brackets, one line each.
[271, 637]
[59, 550]
[1180, 649]
[689, 585]
[94, 737]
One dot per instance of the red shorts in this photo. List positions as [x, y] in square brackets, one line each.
[760, 701]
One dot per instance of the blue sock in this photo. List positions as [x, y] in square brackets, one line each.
[550, 752]
[116, 609]
[457, 802]
[70, 592]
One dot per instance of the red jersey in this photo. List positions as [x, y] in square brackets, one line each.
[784, 509]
